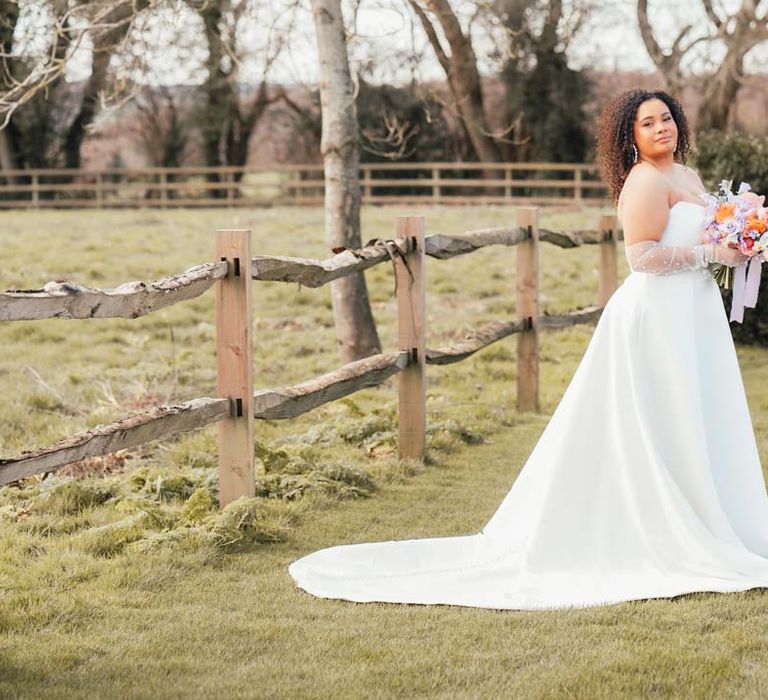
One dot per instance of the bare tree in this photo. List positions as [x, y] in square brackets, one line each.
[162, 126]
[459, 62]
[114, 24]
[544, 96]
[229, 118]
[355, 327]
[740, 31]
[45, 118]
[9, 16]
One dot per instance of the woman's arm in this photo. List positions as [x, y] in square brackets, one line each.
[645, 204]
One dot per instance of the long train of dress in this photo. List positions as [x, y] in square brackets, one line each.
[645, 483]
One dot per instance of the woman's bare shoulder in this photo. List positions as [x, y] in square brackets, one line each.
[690, 173]
[643, 182]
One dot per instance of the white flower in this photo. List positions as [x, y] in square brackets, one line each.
[744, 187]
[725, 186]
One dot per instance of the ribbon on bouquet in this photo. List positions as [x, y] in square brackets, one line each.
[746, 283]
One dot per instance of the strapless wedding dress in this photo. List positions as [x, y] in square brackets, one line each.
[646, 482]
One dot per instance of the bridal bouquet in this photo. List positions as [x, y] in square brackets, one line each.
[739, 221]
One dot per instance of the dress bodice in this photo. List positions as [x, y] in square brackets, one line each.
[684, 227]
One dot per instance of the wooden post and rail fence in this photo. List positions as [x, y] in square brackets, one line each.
[244, 186]
[237, 405]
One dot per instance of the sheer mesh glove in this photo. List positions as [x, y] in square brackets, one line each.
[652, 256]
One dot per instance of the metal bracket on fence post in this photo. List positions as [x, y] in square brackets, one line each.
[528, 233]
[409, 275]
[234, 359]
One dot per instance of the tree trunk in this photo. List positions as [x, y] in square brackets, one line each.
[668, 62]
[9, 11]
[720, 92]
[106, 43]
[217, 94]
[73, 139]
[460, 68]
[228, 122]
[246, 119]
[7, 156]
[355, 328]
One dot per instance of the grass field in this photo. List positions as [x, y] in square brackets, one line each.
[130, 583]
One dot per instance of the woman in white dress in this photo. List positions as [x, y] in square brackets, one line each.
[646, 481]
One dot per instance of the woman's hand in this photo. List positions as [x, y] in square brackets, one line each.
[732, 257]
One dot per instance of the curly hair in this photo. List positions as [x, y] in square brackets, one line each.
[615, 136]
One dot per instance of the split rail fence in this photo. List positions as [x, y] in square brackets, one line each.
[381, 183]
[236, 405]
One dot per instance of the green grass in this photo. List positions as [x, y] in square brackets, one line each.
[131, 583]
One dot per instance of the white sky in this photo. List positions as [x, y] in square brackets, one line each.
[172, 52]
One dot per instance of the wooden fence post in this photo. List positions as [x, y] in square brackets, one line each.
[528, 311]
[608, 278]
[367, 189]
[36, 190]
[230, 179]
[99, 191]
[412, 395]
[234, 357]
[578, 193]
[435, 185]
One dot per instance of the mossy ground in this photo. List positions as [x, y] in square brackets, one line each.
[121, 578]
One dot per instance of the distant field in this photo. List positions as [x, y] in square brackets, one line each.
[133, 584]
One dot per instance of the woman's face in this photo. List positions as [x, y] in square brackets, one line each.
[655, 130]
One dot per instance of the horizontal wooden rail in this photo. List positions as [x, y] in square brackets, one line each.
[286, 200]
[474, 341]
[588, 314]
[292, 401]
[300, 184]
[474, 183]
[315, 273]
[165, 421]
[160, 422]
[269, 404]
[299, 167]
[443, 247]
[69, 300]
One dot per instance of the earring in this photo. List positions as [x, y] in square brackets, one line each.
[634, 148]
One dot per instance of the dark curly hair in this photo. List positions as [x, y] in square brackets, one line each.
[615, 136]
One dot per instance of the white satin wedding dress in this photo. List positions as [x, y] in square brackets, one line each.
[645, 483]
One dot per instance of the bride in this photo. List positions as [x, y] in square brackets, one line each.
[646, 482]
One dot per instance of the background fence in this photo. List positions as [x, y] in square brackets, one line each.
[237, 405]
[447, 183]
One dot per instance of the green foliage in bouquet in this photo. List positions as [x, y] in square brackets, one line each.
[742, 158]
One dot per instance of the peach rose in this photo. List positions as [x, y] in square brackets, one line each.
[752, 200]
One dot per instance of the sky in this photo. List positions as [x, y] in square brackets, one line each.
[384, 36]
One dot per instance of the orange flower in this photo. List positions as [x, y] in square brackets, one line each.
[756, 225]
[724, 211]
